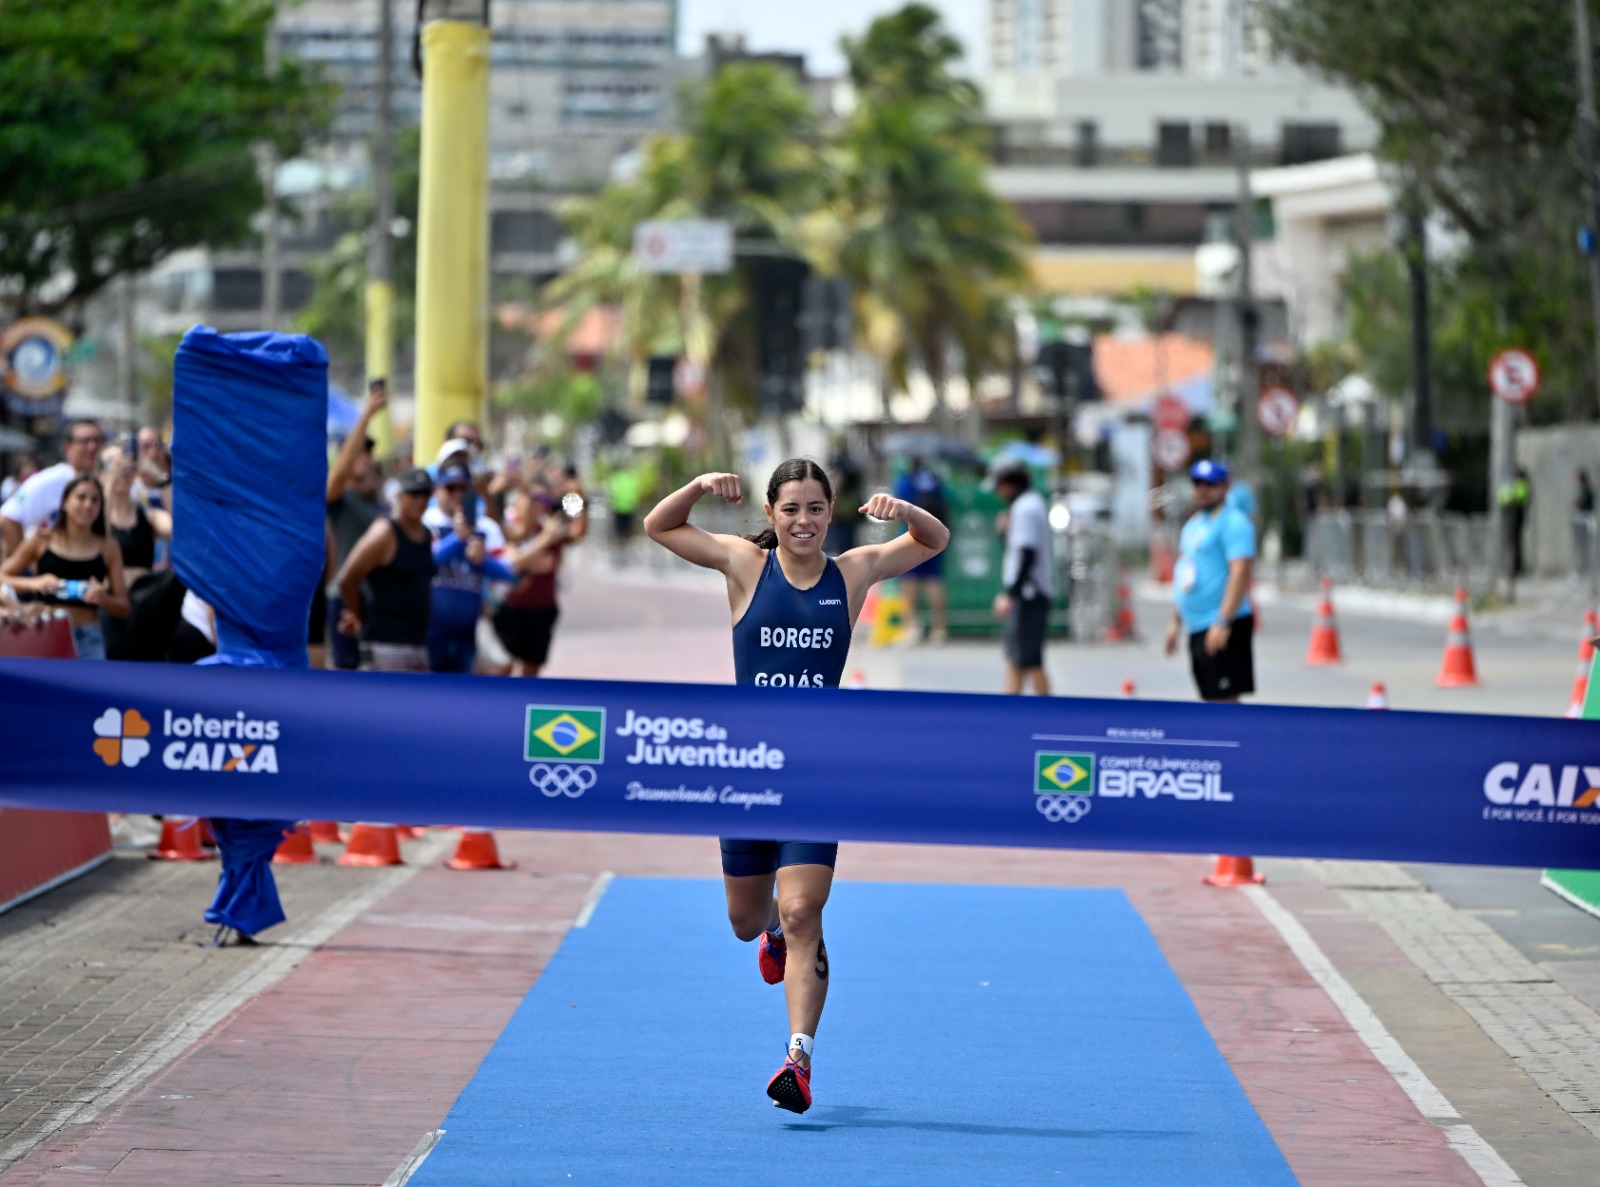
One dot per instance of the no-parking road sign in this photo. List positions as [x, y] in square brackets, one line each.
[1276, 410]
[687, 245]
[1169, 449]
[1171, 412]
[1514, 375]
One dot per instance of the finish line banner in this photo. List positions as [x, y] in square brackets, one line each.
[815, 764]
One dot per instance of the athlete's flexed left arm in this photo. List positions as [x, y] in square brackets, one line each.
[925, 536]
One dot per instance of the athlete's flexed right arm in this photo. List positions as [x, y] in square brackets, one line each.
[668, 524]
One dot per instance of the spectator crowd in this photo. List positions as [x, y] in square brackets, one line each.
[452, 566]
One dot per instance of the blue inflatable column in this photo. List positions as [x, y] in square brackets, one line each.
[249, 479]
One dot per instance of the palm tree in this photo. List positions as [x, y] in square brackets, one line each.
[931, 248]
[749, 153]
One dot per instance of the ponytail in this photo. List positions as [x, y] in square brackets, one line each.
[765, 538]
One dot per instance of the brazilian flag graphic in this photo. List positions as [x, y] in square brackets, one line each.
[1063, 774]
[562, 733]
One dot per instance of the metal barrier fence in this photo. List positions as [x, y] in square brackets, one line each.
[1427, 550]
[1582, 569]
[1089, 562]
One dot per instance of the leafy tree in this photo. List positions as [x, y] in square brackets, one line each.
[573, 398]
[336, 313]
[129, 132]
[1476, 103]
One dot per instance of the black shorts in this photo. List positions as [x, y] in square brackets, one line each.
[1232, 671]
[526, 633]
[1025, 630]
[743, 859]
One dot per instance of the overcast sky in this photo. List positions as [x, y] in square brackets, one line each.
[813, 27]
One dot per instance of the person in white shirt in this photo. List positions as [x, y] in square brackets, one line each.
[1028, 573]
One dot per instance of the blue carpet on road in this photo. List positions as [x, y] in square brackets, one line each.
[973, 1035]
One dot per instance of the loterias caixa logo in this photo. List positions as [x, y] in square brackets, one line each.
[564, 743]
[120, 736]
[194, 742]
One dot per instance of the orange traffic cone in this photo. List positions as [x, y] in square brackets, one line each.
[180, 840]
[1378, 698]
[295, 849]
[324, 830]
[477, 851]
[1458, 670]
[372, 845]
[1162, 561]
[1234, 871]
[869, 609]
[1324, 647]
[1129, 688]
[1123, 629]
[1580, 682]
[411, 832]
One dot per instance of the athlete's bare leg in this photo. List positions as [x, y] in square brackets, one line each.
[802, 893]
[751, 906]
[938, 630]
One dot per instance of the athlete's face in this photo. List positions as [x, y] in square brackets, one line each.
[800, 516]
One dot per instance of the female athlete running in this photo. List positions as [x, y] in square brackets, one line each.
[793, 610]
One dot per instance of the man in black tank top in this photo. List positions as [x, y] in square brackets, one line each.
[384, 585]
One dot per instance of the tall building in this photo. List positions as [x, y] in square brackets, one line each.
[1076, 38]
[571, 84]
[1116, 124]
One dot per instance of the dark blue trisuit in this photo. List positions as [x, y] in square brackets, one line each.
[789, 638]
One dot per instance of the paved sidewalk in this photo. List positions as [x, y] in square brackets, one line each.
[1382, 1032]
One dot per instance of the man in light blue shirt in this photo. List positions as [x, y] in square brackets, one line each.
[1211, 589]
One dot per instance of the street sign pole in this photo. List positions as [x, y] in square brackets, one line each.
[1247, 442]
[1513, 378]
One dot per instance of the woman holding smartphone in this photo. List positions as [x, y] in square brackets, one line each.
[75, 565]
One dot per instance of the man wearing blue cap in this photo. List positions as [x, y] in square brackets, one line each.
[1211, 589]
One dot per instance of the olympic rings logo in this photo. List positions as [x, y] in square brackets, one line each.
[1070, 808]
[560, 779]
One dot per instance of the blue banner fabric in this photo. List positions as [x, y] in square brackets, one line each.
[803, 764]
[247, 896]
[249, 479]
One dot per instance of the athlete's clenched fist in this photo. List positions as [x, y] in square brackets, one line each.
[725, 486]
[884, 506]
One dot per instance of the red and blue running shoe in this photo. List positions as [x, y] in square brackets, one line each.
[791, 1087]
[771, 953]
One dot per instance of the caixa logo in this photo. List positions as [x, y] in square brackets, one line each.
[1510, 784]
[237, 744]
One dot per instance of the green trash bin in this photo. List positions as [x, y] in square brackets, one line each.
[973, 562]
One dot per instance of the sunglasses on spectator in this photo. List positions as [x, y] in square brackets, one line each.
[97, 439]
